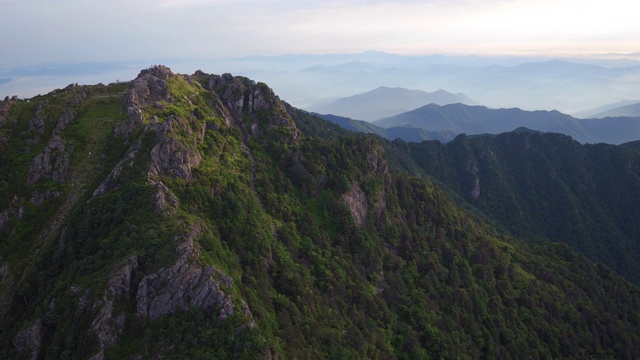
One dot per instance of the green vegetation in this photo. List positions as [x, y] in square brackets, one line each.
[399, 272]
[545, 186]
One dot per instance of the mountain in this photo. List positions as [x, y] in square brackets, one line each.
[459, 118]
[592, 113]
[386, 101]
[632, 110]
[539, 185]
[532, 83]
[405, 133]
[199, 216]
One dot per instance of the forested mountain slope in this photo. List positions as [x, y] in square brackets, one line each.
[189, 217]
[546, 185]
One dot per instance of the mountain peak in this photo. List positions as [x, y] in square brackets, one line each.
[386, 101]
[159, 71]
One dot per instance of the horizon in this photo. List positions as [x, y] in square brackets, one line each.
[49, 45]
[292, 76]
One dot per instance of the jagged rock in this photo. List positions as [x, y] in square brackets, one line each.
[64, 121]
[184, 285]
[36, 123]
[165, 201]
[4, 269]
[109, 181]
[171, 157]
[230, 90]
[475, 191]
[356, 201]
[376, 160]
[148, 88]
[37, 198]
[29, 340]
[241, 95]
[4, 217]
[109, 323]
[52, 163]
[5, 107]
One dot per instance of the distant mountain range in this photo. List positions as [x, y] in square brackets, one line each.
[386, 101]
[632, 110]
[406, 133]
[567, 85]
[615, 109]
[459, 118]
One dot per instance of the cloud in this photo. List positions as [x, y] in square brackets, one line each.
[36, 31]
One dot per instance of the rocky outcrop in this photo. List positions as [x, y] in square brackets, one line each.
[52, 163]
[148, 88]
[36, 124]
[5, 107]
[37, 197]
[356, 201]
[4, 218]
[244, 96]
[230, 90]
[65, 120]
[170, 156]
[110, 181]
[165, 201]
[109, 322]
[29, 340]
[184, 285]
[376, 160]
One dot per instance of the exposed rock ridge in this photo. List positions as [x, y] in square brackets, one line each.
[52, 163]
[109, 322]
[149, 87]
[356, 201]
[5, 107]
[245, 97]
[184, 285]
[170, 156]
[110, 181]
[29, 340]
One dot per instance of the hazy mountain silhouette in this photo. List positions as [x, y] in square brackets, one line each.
[386, 101]
[460, 118]
[595, 113]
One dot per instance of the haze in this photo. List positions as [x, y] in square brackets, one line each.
[183, 33]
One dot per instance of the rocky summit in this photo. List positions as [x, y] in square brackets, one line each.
[199, 216]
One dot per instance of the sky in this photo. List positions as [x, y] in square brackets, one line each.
[63, 31]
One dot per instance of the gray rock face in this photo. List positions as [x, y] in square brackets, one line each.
[356, 201]
[242, 95]
[37, 198]
[52, 163]
[171, 157]
[166, 202]
[376, 160]
[110, 181]
[230, 90]
[36, 123]
[4, 269]
[4, 217]
[148, 88]
[5, 107]
[109, 323]
[65, 120]
[184, 285]
[29, 340]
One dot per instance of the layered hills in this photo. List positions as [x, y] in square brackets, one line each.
[386, 101]
[200, 216]
[459, 118]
